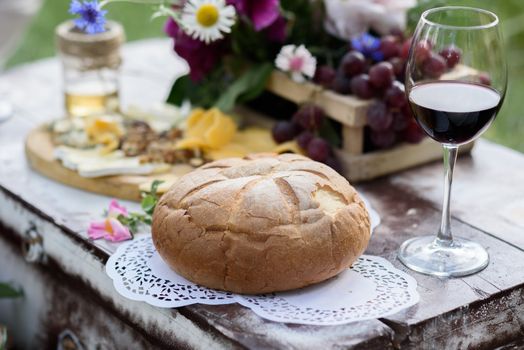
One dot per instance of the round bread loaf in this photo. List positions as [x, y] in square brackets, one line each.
[260, 224]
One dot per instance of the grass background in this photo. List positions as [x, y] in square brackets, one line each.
[508, 129]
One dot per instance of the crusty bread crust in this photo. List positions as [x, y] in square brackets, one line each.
[260, 224]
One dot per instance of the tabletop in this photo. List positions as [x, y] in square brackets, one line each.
[485, 310]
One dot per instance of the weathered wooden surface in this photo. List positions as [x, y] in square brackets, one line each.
[477, 312]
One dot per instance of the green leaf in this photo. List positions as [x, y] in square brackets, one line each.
[6, 291]
[249, 85]
[203, 93]
[148, 204]
[179, 91]
[154, 186]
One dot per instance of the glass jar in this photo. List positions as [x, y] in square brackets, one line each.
[91, 65]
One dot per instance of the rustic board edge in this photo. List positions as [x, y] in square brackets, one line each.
[39, 153]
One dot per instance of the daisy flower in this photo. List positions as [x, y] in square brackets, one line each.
[92, 18]
[207, 20]
[297, 61]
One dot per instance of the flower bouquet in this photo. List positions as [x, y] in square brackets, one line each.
[332, 71]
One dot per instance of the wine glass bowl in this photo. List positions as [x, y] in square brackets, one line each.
[456, 80]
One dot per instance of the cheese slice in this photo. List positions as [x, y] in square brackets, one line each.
[91, 163]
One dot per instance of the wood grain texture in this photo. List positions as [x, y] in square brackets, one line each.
[462, 307]
[352, 140]
[482, 311]
[488, 190]
[368, 166]
[348, 110]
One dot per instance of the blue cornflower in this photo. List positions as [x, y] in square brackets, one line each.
[368, 45]
[92, 18]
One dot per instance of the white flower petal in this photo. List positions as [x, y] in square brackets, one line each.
[297, 77]
[282, 63]
[288, 53]
[226, 19]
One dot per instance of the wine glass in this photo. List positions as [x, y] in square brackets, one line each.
[455, 83]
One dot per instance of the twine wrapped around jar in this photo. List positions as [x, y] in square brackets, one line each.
[91, 65]
[92, 51]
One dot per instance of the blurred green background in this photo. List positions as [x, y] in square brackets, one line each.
[508, 129]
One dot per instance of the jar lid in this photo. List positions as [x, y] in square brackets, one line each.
[72, 41]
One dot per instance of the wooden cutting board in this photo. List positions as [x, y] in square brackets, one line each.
[39, 150]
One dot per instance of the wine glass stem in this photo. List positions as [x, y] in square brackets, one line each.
[444, 236]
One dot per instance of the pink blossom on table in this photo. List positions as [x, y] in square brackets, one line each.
[297, 61]
[262, 13]
[200, 57]
[110, 228]
[116, 209]
[347, 18]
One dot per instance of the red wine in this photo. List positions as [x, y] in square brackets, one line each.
[454, 112]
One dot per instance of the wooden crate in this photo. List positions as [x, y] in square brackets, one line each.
[351, 112]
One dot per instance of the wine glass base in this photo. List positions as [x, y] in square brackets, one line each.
[461, 258]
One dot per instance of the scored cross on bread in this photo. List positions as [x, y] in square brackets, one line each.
[261, 224]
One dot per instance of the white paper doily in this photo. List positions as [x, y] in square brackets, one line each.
[372, 288]
[132, 277]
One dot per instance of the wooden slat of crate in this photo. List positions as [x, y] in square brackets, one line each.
[353, 140]
[345, 109]
[371, 165]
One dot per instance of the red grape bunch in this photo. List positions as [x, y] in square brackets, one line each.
[304, 128]
[380, 77]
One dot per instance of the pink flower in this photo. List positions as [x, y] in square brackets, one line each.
[297, 61]
[110, 228]
[116, 209]
[262, 13]
[200, 57]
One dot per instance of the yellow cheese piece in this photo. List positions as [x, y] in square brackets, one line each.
[255, 139]
[287, 147]
[104, 131]
[222, 131]
[228, 151]
[191, 143]
[252, 140]
[209, 129]
[99, 126]
[216, 135]
[195, 116]
[198, 123]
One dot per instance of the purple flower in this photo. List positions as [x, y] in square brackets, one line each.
[201, 57]
[277, 31]
[92, 18]
[261, 12]
[368, 45]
